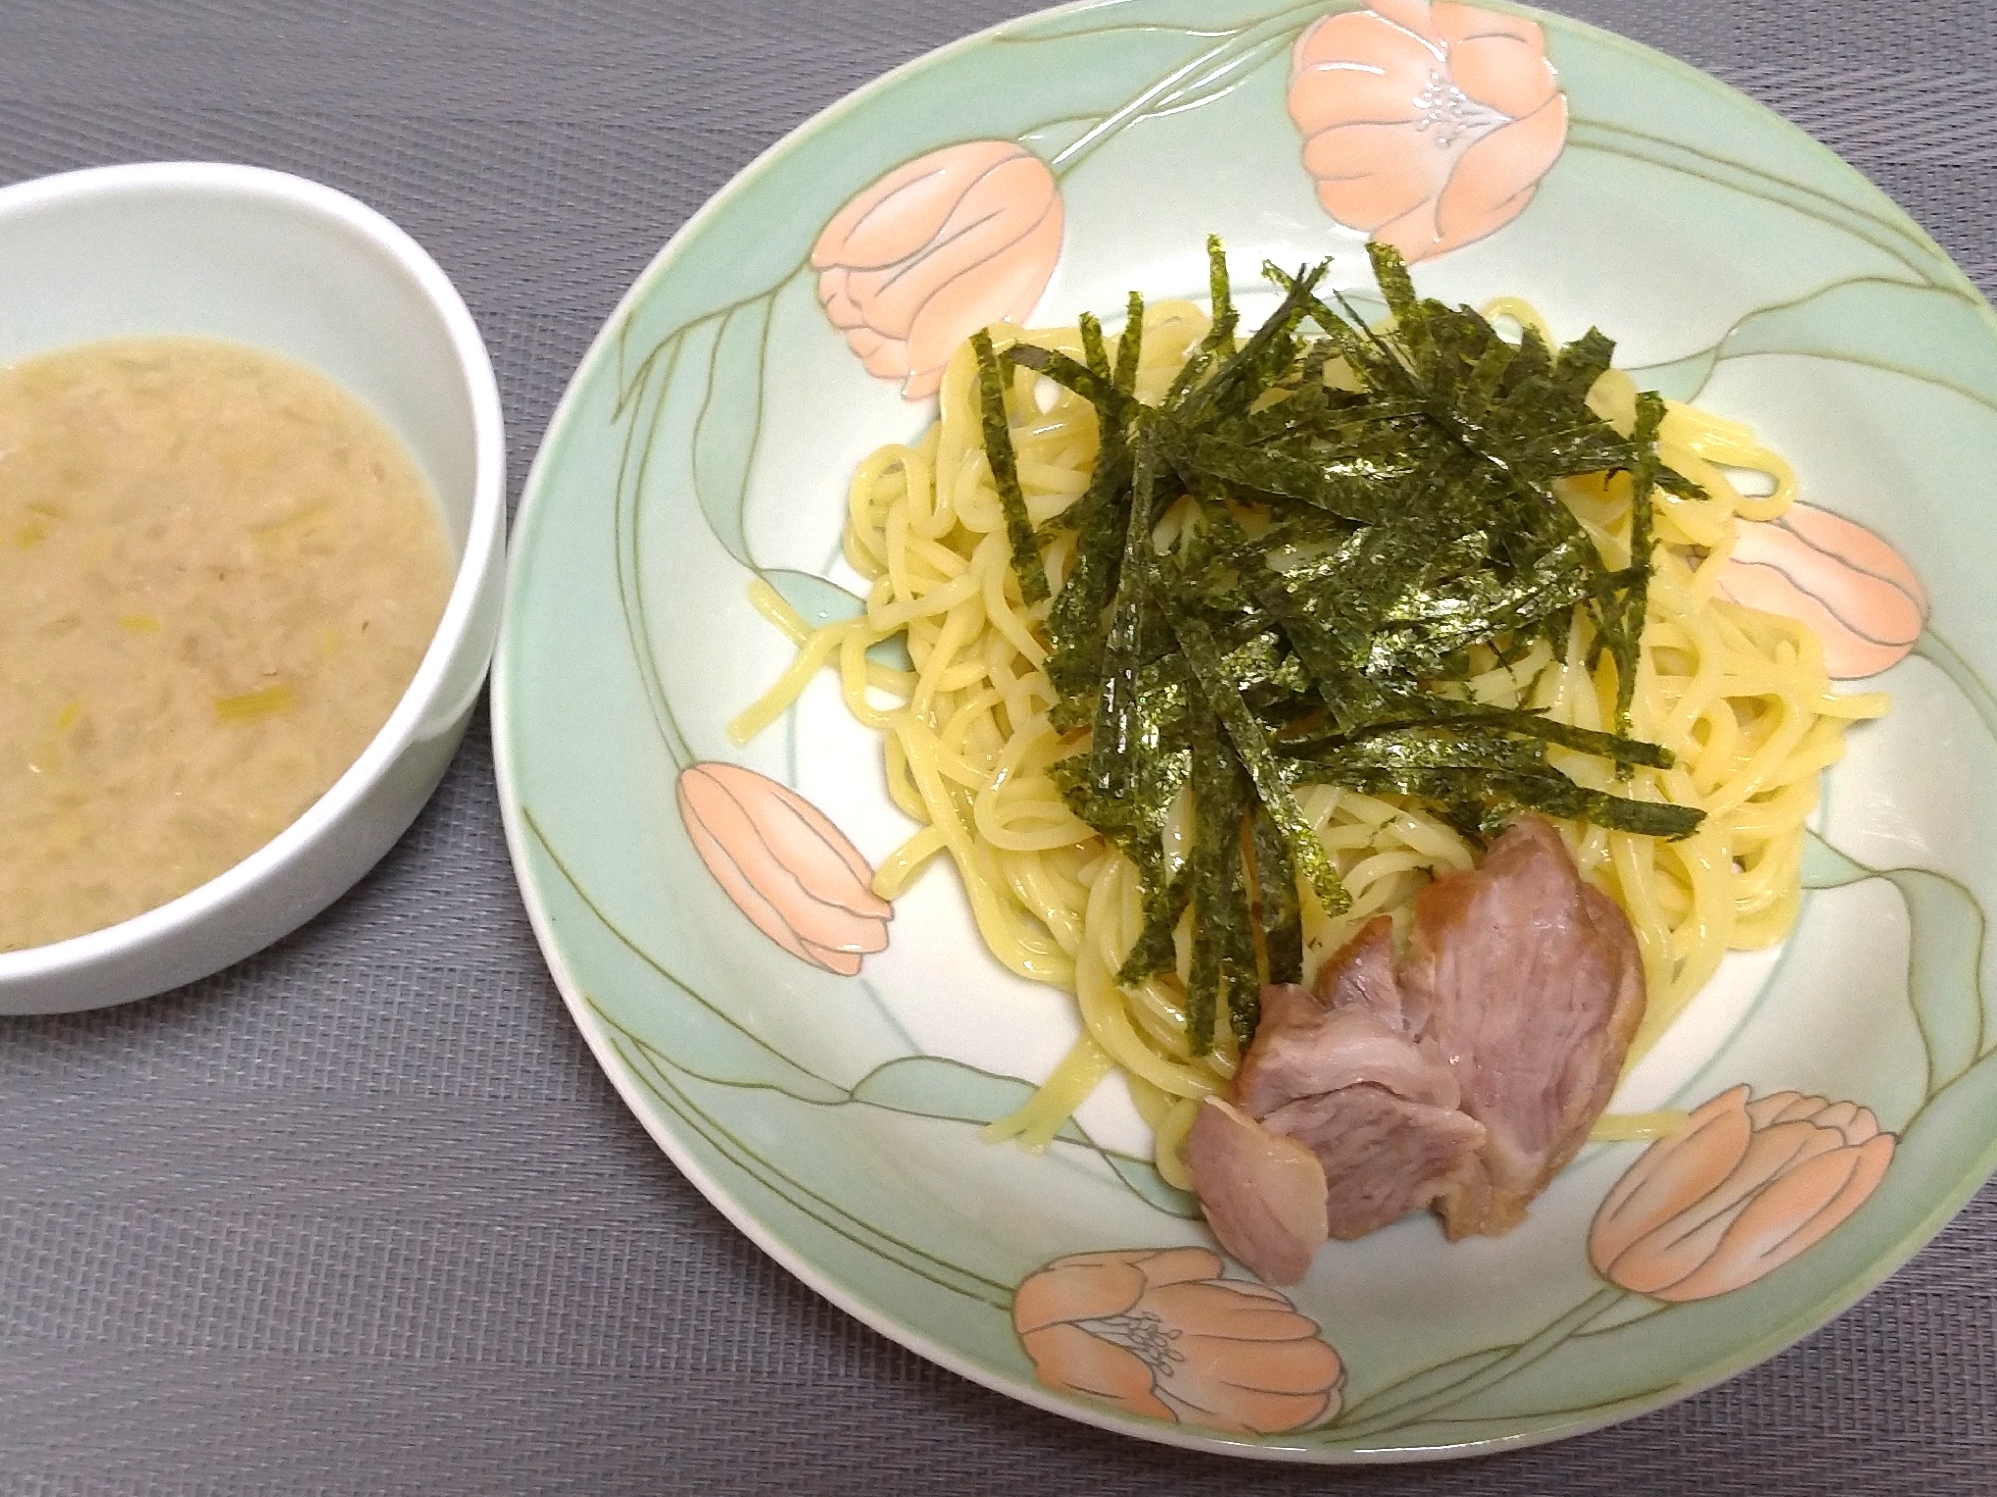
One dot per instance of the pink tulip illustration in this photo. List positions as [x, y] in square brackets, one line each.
[1160, 1333]
[939, 247]
[1855, 591]
[787, 867]
[1743, 1189]
[1426, 125]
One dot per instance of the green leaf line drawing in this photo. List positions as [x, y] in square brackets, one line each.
[731, 362]
[1952, 1033]
[1062, 26]
[1463, 1427]
[949, 1091]
[1396, 1412]
[736, 343]
[589, 902]
[1033, 30]
[1939, 653]
[1211, 74]
[1455, 1377]
[655, 1069]
[1856, 361]
[1913, 250]
[1813, 325]
[625, 521]
[801, 1084]
[721, 463]
[939, 1090]
[800, 1197]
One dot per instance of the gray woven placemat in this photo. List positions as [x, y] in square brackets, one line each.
[361, 1215]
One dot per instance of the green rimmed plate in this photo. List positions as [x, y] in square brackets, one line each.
[701, 905]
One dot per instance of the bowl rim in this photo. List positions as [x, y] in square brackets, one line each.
[881, 1316]
[415, 716]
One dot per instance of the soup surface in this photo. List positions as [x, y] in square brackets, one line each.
[218, 572]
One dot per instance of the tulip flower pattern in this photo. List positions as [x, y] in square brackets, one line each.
[1427, 125]
[1744, 1188]
[1856, 592]
[938, 248]
[1159, 1333]
[786, 867]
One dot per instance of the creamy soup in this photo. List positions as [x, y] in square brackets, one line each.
[218, 572]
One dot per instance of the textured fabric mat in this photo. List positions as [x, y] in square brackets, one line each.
[361, 1215]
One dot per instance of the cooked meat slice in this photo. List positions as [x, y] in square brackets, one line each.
[1532, 985]
[1360, 975]
[1461, 1078]
[1263, 1194]
[1382, 1155]
[1303, 1049]
[1376, 1108]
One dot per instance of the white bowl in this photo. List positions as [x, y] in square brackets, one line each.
[279, 263]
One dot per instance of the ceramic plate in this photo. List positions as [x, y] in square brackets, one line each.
[702, 907]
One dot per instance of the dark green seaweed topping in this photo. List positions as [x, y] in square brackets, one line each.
[1124, 731]
[1223, 690]
[1130, 347]
[1643, 478]
[1026, 563]
[1277, 909]
[1220, 290]
[1083, 380]
[1094, 353]
[1220, 904]
[1279, 580]
[1164, 902]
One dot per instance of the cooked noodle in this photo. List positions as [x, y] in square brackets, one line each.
[1739, 697]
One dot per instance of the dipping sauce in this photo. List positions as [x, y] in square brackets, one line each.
[218, 573]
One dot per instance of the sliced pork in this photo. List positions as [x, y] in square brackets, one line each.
[1532, 984]
[1460, 1078]
[1263, 1193]
[1382, 1155]
[1374, 1109]
[1360, 976]
[1303, 1049]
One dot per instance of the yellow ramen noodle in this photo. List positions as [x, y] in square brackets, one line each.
[1739, 697]
[218, 572]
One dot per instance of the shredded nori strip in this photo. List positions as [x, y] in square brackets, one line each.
[1130, 346]
[1643, 478]
[1252, 748]
[1108, 398]
[1026, 563]
[1218, 803]
[1164, 902]
[1120, 736]
[1093, 351]
[1339, 550]
[1276, 908]
[1220, 290]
